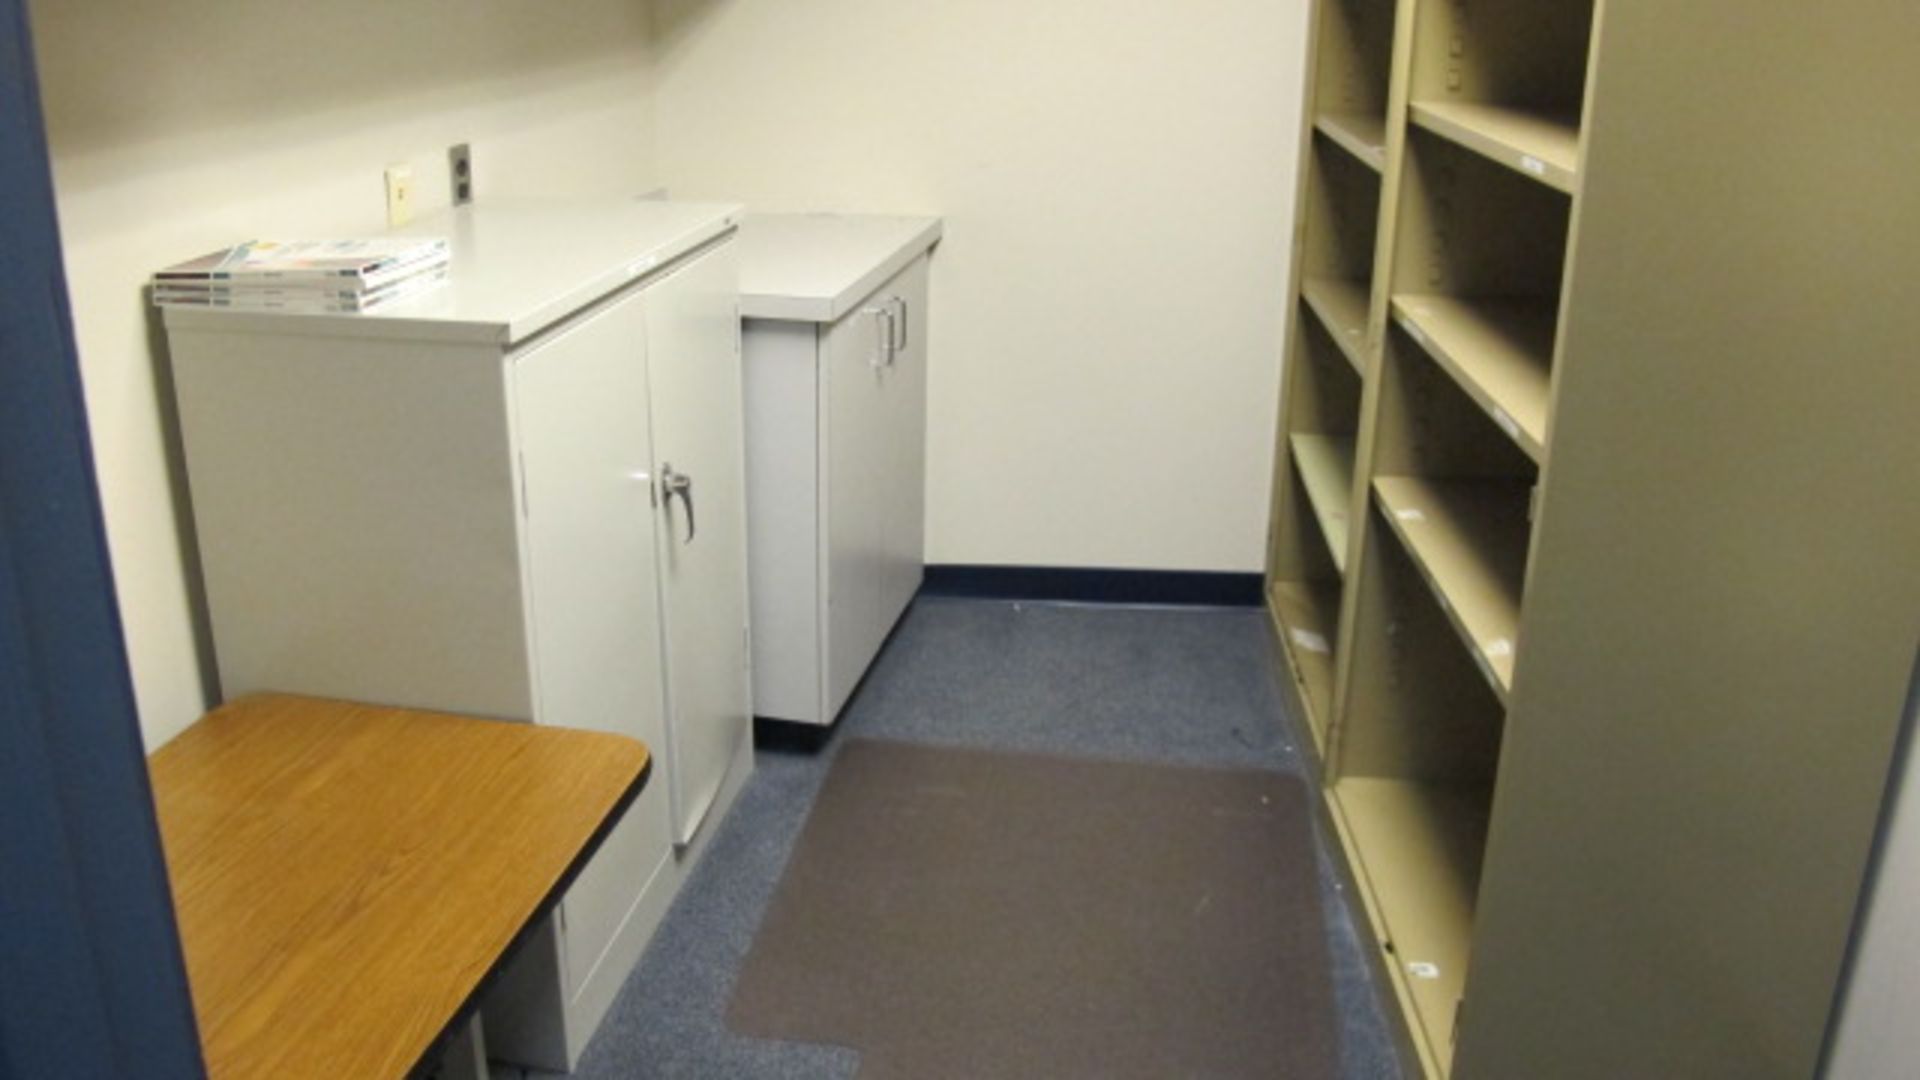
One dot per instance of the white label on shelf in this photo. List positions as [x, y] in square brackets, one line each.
[641, 266]
[1310, 641]
[1500, 647]
[1410, 515]
[1420, 969]
[1533, 165]
[1506, 423]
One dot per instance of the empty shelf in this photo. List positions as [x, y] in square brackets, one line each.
[1363, 135]
[1325, 463]
[1306, 614]
[1342, 307]
[1542, 145]
[1469, 539]
[1499, 350]
[1418, 848]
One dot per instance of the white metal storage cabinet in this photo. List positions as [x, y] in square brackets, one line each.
[836, 369]
[456, 503]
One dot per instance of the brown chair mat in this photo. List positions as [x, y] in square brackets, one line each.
[963, 913]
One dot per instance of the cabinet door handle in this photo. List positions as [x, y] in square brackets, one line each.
[882, 316]
[674, 483]
[899, 327]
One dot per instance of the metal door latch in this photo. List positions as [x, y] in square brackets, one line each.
[674, 483]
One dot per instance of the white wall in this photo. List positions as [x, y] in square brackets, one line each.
[1116, 176]
[177, 128]
[1877, 1038]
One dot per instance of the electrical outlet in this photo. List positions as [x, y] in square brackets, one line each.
[399, 195]
[460, 171]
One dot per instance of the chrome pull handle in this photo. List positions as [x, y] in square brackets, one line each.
[899, 327]
[882, 316]
[675, 483]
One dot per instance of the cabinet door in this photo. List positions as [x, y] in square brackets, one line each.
[904, 463]
[854, 422]
[693, 363]
[580, 407]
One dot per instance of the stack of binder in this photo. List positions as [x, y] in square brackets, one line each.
[306, 275]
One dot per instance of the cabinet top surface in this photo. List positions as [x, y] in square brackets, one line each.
[817, 267]
[346, 875]
[517, 268]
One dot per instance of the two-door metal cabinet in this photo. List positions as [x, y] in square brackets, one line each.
[460, 502]
[836, 378]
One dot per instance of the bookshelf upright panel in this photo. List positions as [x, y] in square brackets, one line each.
[1719, 621]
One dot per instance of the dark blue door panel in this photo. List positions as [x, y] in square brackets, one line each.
[91, 978]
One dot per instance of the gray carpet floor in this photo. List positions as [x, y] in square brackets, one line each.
[1193, 686]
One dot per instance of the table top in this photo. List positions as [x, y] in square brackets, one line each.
[347, 876]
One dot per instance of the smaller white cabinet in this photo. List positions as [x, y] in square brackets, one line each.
[835, 340]
[461, 502]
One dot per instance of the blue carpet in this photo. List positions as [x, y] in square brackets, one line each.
[1192, 686]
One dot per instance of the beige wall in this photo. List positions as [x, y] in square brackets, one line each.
[1117, 183]
[177, 128]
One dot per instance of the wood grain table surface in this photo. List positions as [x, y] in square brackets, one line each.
[346, 876]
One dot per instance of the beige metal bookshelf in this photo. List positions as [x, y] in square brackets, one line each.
[1336, 313]
[1579, 366]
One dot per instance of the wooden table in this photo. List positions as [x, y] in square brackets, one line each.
[348, 877]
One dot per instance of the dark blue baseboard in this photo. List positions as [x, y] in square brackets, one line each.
[791, 736]
[1199, 588]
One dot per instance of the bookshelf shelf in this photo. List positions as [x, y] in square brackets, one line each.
[1341, 306]
[1364, 135]
[1500, 351]
[1469, 539]
[1424, 840]
[1325, 463]
[1306, 617]
[1353, 65]
[1543, 145]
